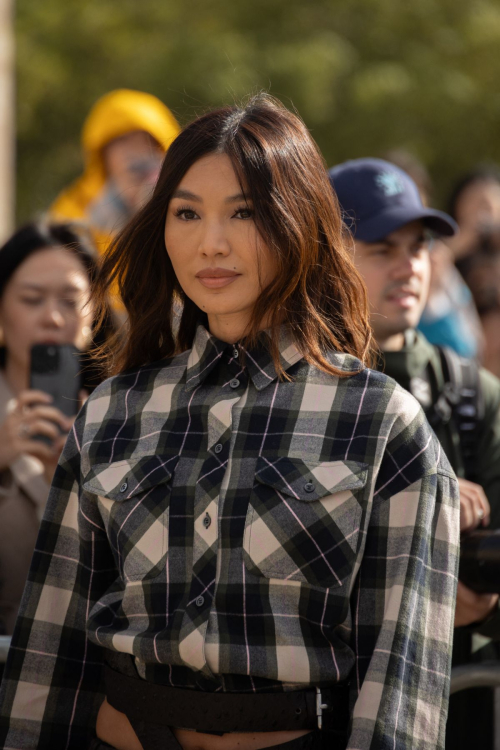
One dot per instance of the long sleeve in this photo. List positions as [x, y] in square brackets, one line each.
[404, 604]
[52, 688]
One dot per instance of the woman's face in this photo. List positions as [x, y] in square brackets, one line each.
[45, 303]
[133, 163]
[218, 256]
[478, 206]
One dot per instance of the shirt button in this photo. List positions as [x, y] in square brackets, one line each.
[200, 601]
[124, 487]
[309, 487]
[234, 383]
[207, 521]
[218, 448]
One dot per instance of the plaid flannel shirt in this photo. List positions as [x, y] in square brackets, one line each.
[234, 532]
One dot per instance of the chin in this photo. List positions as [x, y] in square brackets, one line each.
[217, 305]
[404, 320]
[411, 320]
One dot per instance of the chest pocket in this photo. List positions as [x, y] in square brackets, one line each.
[134, 499]
[303, 520]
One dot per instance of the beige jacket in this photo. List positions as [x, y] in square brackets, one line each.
[23, 494]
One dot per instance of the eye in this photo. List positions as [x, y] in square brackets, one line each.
[32, 301]
[422, 246]
[70, 303]
[184, 213]
[244, 212]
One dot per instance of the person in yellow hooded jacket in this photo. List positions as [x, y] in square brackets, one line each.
[124, 138]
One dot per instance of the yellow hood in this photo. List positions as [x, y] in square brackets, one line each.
[114, 115]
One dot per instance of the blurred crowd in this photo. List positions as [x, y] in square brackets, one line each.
[46, 271]
[47, 268]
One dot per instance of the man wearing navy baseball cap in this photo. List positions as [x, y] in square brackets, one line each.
[383, 209]
[393, 233]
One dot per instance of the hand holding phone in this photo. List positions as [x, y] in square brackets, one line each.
[56, 370]
[31, 414]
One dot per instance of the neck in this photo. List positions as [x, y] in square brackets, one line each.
[392, 343]
[232, 328]
[16, 375]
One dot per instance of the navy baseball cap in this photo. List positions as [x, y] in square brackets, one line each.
[377, 198]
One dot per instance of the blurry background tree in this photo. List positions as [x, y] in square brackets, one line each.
[366, 75]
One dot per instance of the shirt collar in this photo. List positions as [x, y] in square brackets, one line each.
[207, 351]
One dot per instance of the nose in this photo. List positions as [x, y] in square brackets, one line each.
[151, 176]
[53, 318]
[406, 265]
[214, 240]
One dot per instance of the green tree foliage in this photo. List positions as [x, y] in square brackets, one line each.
[366, 75]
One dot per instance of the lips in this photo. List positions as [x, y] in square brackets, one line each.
[402, 293]
[215, 273]
[215, 278]
[403, 297]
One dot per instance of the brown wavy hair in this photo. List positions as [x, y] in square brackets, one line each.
[317, 291]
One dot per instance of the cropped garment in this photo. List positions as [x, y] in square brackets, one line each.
[236, 532]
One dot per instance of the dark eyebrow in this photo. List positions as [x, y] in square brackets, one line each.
[390, 243]
[188, 195]
[383, 241]
[237, 197]
[30, 286]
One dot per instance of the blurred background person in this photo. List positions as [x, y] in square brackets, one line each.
[481, 272]
[45, 274]
[490, 321]
[124, 140]
[474, 203]
[392, 245]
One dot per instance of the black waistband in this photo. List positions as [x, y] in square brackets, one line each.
[221, 712]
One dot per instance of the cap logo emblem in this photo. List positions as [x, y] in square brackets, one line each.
[390, 183]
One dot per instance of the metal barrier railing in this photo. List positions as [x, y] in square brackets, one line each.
[486, 674]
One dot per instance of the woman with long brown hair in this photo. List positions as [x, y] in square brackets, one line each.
[251, 536]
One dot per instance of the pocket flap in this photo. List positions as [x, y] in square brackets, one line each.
[121, 480]
[309, 481]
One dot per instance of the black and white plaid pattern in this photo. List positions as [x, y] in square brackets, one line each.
[237, 533]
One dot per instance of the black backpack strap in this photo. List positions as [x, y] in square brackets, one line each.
[465, 405]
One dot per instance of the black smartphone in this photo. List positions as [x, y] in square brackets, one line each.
[56, 370]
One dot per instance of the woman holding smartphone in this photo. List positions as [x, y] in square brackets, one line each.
[45, 274]
[251, 539]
